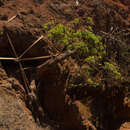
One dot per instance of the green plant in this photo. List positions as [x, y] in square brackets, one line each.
[48, 25]
[87, 42]
[75, 23]
[89, 48]
[113, 68]
[89, 21]
[90, 28]
[91, 60]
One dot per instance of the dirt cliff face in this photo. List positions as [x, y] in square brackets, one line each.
[13, 111]
[23, 22]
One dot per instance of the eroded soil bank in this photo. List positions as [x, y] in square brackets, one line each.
[46, 104]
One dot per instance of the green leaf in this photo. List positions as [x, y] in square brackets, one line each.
[69, 47]
[90, 59]
[79, 45]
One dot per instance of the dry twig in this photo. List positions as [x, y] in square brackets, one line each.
[12, 18]
[56, 59]
[30, 47]
[21, 67]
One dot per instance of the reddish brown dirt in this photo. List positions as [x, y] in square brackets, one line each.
[39, 12]
[27, 27]
[13, 111]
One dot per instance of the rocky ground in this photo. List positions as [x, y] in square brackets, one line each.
[21, 23]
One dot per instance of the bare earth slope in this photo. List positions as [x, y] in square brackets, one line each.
[23, 20]
[13, 113]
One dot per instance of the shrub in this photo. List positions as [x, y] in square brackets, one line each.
[112, 68]
[90, 51]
